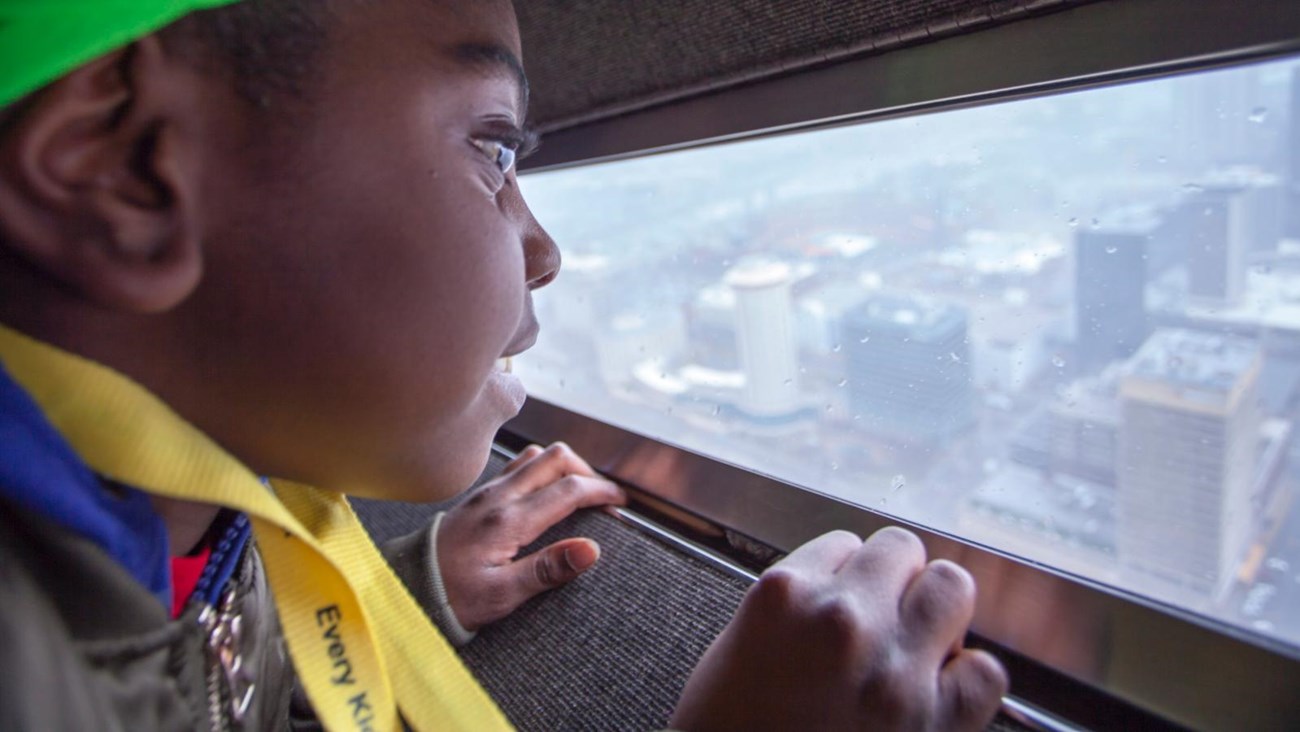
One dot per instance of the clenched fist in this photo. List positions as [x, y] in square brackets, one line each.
[848, 635]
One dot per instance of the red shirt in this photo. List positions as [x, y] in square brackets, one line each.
[185, 575]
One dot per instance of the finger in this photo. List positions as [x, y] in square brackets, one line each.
[554, 566]
[553, 503]
[971, 687]
[823, 555]
[936, 610]
[526, 454]
[886, 563]
[555, 462]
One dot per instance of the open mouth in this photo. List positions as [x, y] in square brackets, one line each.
[506, 365]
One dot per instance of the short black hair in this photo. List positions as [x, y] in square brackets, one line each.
[266, 47]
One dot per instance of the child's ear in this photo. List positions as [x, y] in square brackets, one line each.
[93, 190]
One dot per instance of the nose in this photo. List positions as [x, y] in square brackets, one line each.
[541, 255]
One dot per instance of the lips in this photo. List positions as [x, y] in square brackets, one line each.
[523, 341]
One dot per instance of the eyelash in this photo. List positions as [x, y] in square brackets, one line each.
[511, 147]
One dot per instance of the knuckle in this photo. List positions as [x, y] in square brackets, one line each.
[953, 578]
[560, 451]
[838, 620]
[989, 674]
[545, 571]
[494, 518]
[904, 540]
[777, 587]
[841, 536]
[569, 484]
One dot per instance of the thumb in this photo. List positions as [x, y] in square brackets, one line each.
[556, 565]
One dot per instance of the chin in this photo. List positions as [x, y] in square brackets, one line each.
[440, 475]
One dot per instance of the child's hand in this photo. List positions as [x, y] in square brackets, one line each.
[480, 538]
[844, 634]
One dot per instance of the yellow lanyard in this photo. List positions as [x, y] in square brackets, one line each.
[362, 646]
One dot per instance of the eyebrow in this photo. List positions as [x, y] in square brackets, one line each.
[492, 58]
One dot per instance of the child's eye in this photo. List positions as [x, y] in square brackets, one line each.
[500, 152]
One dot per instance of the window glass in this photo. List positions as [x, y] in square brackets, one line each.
[1067, 327]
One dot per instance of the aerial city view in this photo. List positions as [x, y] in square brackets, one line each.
[1067, 327]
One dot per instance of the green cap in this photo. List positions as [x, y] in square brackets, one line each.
[41, 40]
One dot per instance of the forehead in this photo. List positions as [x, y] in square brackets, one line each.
[478, 37]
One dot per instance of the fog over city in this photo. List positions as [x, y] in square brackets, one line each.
[1065, 327]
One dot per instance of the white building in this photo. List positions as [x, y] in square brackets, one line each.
[765, 338]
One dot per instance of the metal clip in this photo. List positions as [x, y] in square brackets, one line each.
[225, 636]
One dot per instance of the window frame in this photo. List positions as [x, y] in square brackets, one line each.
[1157, 659]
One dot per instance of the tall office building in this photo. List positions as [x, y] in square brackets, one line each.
[765, 338]
[1292, 151]
[1083, 428]
[1218, 243]
[1188, 435]
[1214, 127]
[908, 367]
[1110, 267]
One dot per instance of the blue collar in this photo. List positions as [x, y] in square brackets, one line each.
[40, 473]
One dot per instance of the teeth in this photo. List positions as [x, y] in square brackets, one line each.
[506, 364]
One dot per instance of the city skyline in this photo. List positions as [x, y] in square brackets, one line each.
[952, 318]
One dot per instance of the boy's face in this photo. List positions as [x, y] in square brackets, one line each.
[365, 270]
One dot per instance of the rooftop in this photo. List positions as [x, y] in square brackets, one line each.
[1207, 361]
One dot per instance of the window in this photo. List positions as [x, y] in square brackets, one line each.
[1067, 327]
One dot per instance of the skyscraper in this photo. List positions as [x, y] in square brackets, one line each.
[1188, 435]
[765, 338]
[1217, 244]
[908, 367]
[1083, 428]
[1292, 151]
[1110, 265]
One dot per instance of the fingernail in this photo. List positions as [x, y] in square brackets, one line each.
[582, 556]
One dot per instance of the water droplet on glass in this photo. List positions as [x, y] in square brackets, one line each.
[1073, 222]
[788, 382]
[835, 348]
[561, 383]
[954, 357]
[1058, 362]
[842, 383]
[835, 466]
[884, 501]
[1258, 115]
[864, 339]
[717, 409]
[898, 482]
[1112, 249]
[829, 408]
[1192, 188]
[1162, 160]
